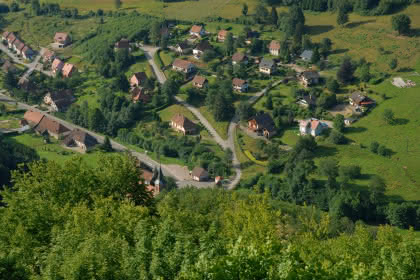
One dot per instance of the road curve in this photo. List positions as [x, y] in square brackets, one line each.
[229, 143]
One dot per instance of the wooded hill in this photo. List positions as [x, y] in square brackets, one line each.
[77, 222]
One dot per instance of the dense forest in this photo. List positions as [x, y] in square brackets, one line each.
[78, 222]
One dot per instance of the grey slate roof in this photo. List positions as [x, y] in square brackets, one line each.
[267, 63]
[307, 55]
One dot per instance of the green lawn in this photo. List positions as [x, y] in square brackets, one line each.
[167, 113]
[249, 168]
[39, 31]
[220, 127]
[402, 170]
[54, 151]
[190, 10]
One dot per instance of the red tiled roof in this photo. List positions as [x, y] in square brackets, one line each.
[182, 121]
[238, 82]
[67, 69]
[47, 124]
[199, 80]
[33, 117]
[61, 37]
[274, 45]
[196, 28]
[181, 63]
[222, 33]
[238, 57]
[57, 64]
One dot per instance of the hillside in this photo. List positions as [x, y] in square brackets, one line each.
[73, 221]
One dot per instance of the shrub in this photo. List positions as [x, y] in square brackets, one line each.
[337, 138]
[374, 147]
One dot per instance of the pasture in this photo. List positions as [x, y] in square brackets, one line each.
[54, 151]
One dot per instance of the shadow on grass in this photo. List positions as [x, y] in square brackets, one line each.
[355, 129]
[415, 32]
[359, 23]
[405, 69]
[339, 51]
[400, 121]
[323, 151]
[318, 29]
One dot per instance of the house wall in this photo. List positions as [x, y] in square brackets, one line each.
[274, 52]
[265, 70]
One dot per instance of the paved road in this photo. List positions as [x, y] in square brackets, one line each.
[33, 65]
[230, 142]
[117, 146]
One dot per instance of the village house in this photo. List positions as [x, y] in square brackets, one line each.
[274, 47]
[267, 66]
[306, 55]
[59, 100]
[11, 39]
[157, 183]
[62, 39]
[199, 174]
[312, 127]
[239, 58]
[48, 56]
[138, 79]
[5, 35]
[201, 47]
[197, 30]
[8, 66]
[309, 78]
[181, 123]
[360, 101]
[199, 81]
[18, 45]
[122, 44]
[182, 65]
[78, 138]
[68, 70]
[262, 124]
[239, 85]
[57, 66]
[139, 94]
[251, 35]
[307, 101]
[183, 48]
[27, 52]
[52, 128]
[221, 35]
[32, 118]
[146, 176]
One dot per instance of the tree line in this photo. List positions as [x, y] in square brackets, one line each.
[75, 221]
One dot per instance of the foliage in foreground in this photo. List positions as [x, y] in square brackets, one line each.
[77, 222]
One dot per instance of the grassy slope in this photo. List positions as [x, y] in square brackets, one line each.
[54, 151]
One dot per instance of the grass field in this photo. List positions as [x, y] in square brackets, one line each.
[54, 151]
[249, 168]
[191, 10]
[39, 31]
[402, 170]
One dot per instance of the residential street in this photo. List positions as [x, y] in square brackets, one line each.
[167, 170]
[230, 142]
[34, 65]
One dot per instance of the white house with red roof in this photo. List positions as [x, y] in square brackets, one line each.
[312, 127]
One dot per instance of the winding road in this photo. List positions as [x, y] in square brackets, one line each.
[150, 51]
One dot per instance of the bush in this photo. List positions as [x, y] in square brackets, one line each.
[337, 138]
[351, 171]
[374, 147]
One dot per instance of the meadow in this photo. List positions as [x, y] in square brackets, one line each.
[54, 151]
